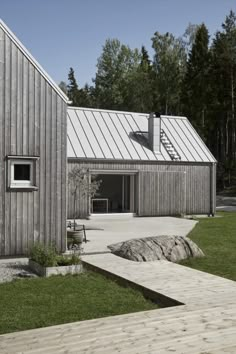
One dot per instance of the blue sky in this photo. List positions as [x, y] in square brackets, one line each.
[70, 33]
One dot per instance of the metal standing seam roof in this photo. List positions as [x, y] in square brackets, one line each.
[104, 134]
[33, 61]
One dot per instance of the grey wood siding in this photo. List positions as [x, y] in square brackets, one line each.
[32, 123]
[199, 192]
[161, 192]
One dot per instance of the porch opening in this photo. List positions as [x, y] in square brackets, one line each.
[115, 195]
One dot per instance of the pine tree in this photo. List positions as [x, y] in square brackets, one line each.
[223, 82]
[196, 81]
[229, 36]
[86, 97]
[145, 61]
[72, 88]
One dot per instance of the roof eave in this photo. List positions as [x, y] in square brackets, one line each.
[135, 161]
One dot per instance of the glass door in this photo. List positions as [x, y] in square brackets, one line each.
[125, 193]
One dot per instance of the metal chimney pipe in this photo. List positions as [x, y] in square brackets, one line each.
[154, 131]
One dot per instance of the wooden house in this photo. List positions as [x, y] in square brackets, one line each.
[149, 165]
[32, 151]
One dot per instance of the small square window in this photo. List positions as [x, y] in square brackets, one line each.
[21, 173]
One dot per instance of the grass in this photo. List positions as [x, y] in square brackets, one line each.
[26, 304]
[217, 238]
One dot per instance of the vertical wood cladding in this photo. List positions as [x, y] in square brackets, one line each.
[161, 193]
[32, 123]
[161, 188]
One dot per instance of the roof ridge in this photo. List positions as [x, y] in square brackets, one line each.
[105, 110]
[173, 117]
[120, 111]
[33, 61]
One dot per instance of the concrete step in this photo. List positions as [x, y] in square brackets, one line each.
[111, 216]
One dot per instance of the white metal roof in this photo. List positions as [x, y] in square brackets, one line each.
[33, 61]
[104, 134]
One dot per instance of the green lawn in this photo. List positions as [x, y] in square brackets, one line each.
[217, 238]
[32, 303]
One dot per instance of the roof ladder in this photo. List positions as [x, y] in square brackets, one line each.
[169, 147]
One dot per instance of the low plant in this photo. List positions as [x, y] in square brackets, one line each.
[46, 256]
[63, 261]
[66, 261]
[75, 259]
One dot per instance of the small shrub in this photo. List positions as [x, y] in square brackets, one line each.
[75, 259]
[63, 261]
[66, 261]
[47, 256]
[44, 255]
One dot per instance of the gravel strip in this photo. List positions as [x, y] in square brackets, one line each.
[11, 270]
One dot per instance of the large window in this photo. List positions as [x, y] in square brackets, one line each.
[22, 172]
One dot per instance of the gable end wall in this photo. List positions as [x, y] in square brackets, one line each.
[32, 123]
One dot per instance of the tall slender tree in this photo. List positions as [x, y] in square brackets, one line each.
[196, 81]
[72, 88]
[86, 96]
[138, 95]
[169, 66]
[145, 60]
[189, 37]
[223, 81]
[113, 68]
[229, 35]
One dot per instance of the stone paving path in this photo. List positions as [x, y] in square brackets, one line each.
[205, 323]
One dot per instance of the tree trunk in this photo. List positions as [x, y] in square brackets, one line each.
[227, 135]
[232, 113]
[166, 108]
[203, 118]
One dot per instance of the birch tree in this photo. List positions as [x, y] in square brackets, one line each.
[169, 66]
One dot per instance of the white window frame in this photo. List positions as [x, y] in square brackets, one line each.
[22, 183]
[29, 184]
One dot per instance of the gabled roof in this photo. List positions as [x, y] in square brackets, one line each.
[32, 60]
[103, 134]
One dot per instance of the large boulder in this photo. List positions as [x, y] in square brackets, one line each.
[170, 248]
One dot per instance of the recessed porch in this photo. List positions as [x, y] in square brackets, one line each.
[116, 194]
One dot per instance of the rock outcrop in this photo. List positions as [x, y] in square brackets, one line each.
[170, 248]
